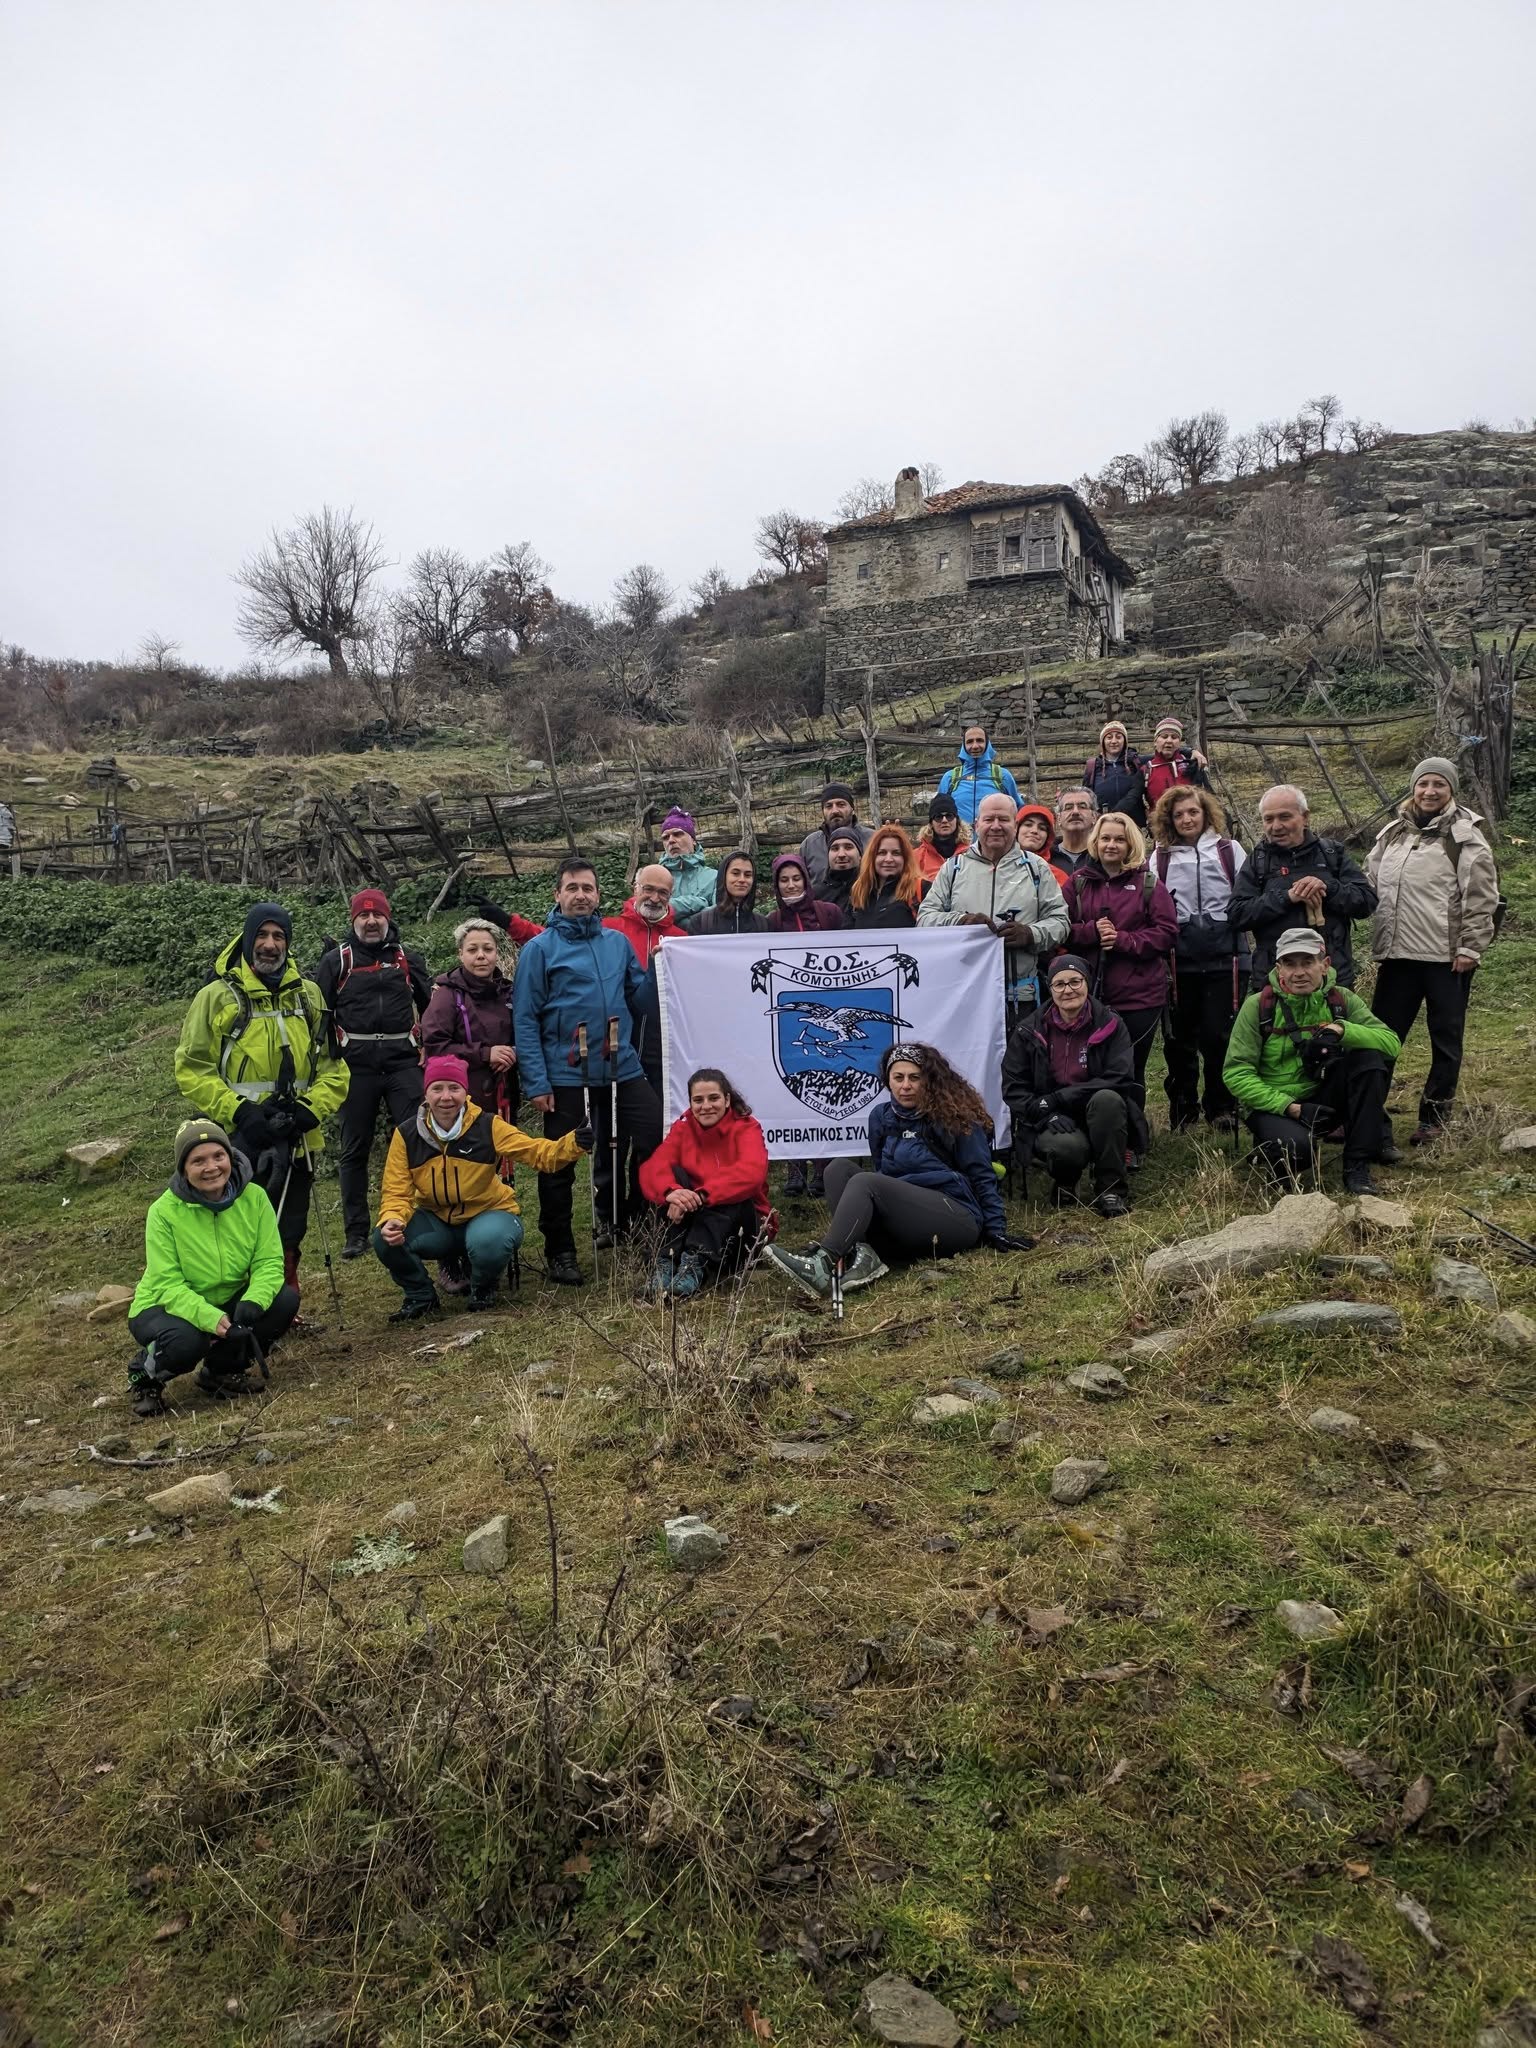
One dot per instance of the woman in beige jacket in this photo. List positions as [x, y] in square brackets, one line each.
[1437, 889]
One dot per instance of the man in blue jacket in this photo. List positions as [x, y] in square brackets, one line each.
[577, 973]
[977, 773]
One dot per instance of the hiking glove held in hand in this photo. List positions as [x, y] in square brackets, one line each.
[247, 1314]
[304, 1118]
[585, 1137]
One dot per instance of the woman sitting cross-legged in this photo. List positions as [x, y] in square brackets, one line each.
[709, 1175]
[932, 1192]
[213, 1274]
[443, 1196]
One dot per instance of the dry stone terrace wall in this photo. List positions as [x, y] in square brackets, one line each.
[939, 640]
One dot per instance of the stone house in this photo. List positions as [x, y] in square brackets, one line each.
[934, 590]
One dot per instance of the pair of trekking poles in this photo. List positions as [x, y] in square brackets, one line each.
[611, 1055]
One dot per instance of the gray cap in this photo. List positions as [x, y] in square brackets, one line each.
[1299, 939]
[1437, 764]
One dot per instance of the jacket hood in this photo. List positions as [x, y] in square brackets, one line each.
[1448, 819]
[972, 764]
[789, 860]
[674, 863]
[472, 1113]
[232, 965]
[1047, 818]
[468, 984]
[575, 927]
[724, 902]
[239, 1180]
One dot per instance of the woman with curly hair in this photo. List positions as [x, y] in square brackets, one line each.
[932, 1191]
[709, 1176]
[888, 887]
[1197, 864]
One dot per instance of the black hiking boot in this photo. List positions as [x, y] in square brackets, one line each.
[413, 1311]
[1357, 1181]
[1111, 1203]
[602, 1238]
[355, 1248]
[145, 1392]
[561, 1267]
[483, 1297]
[223, 1386]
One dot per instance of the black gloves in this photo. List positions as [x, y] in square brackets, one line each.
[1007, 1242]
[304, 1118]
[253, 1126]
[585, 1136]
[1057, 1123]
[245, 1315]
[492, 912]
[1037, 1112]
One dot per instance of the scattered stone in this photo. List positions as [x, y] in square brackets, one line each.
[1099, 1383]
[894, 2010]
[1157, 1344]
[971, 1390]
[1375, 1212]
[540, 1369]
[113, 1446]
[263, 1456]
[1310, 1621]
[98, 1157]
[1297, 1226]
[1323, 1318]
[485, 1548]
[1523, 1140]
[340, 1421]
[1336, 1422]
[1008, 1364]
[1426, 1447]
[1312, 1804]
[933, 1408]
[692, 1542]
[111, 1302]
[1004, 1431]
[311, 2030]
[1457, 1280]
[202, 1490]
[1513, 1331]
[402, 1512]
[61, 1500]
[1075, 1478]
[1362, 1263]
[1514, 2027]
[791, 1453]
[82, 1297]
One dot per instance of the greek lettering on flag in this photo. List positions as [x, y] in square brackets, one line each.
[801, 1021]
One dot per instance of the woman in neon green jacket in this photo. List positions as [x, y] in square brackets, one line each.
[213, 1274]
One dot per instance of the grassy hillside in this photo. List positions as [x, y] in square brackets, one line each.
[1062, 1766]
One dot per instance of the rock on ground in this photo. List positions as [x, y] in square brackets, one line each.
[931, 1408]
[1008, 1364]
[1099, 1383]
[485, 1548]
[1322, 1318]
[1362, 1263]
[789, 1452]
[1310, 1621]
[691, 1541]
[1513, 1331]
[1157, 1344]
[98, 1157]
[1523, 1140]
[402, 1512]
[1457, 1280]
[61, 1500]
[1075, 1478]
[1375, 1212]
[202, 1490]
[1514, 2027]
[1335, 1422]
[80, 1297]
[111, 1302]
[971, 1390]
[1295, 1227]
[894, 2010]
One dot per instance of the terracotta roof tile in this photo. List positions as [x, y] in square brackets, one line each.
[968, 497]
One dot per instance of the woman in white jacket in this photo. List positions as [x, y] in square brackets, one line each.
[1437, 889]
[1197, 864]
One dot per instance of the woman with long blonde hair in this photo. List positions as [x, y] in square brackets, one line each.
[889, 886]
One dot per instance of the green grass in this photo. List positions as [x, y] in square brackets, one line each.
[1134, 1858]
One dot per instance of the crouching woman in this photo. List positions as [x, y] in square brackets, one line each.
[932, 1193]
[213, 1274]
[709, 1175]
[443, 1196]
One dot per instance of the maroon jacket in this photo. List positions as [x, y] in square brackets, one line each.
[468, 1014]
[1135, 971]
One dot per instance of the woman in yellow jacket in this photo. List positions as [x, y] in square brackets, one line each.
[443, 1196]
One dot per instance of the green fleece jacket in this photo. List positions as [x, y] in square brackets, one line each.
[198, 1256]
[1265, 1073]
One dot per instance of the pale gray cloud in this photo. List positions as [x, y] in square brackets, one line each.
[617, 279]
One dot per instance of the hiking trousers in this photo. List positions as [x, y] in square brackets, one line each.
[386, 1073]
[1101, 1140]
[639, 1135]
[486, 1243]
[896, 1216]
[1402, 988]
[719, 1238]
[1196, 1028]
[179, 1345]
[1350, 1099]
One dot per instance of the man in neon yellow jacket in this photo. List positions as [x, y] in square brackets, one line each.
[213, 1274]
[256, 1056]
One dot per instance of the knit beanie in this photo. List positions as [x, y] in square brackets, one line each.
[199, 1130]
[837, 790]
[370, 903]
[258, 915]
[1068, 963]
[1437, 764]
[842, 832]
[445, 1066]
[1113, 725]
[942, 807]
[680, 821]
[1172, 725]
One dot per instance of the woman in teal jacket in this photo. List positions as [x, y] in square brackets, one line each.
[213, 1274]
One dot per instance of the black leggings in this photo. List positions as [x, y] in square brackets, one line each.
[897, 1215]
[719, 1239]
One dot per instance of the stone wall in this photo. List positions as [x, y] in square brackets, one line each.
[940, 640]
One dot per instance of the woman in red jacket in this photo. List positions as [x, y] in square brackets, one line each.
[710, 1176]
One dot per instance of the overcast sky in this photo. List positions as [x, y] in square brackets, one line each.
[618, 278]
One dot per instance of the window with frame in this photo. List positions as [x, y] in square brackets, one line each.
[943, 560]
[863, 572]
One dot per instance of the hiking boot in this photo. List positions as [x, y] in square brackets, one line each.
[1426, 1134]
[1357, 1181]
[484, 1297]
[1389, 1155]
[659, 1283]
[355, 1248]
[144, 1390]
[1111, 1203]
[812, 1274]
[1226, 1123]
[1182, 1116]
[687, 1278]
[602, 1237]
[864, 1268]
[412, 1311]
[794, 1181]
[816, 1188]
[1063, 1194]
[561, 1267]
[223, 1386]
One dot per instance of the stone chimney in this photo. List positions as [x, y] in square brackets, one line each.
[910, 502]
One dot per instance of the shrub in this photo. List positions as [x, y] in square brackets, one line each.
[778, 677]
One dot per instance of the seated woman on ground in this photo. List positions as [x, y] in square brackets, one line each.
[932, 1192]
[443, 1196]
[709, 1175]
[212, 1294]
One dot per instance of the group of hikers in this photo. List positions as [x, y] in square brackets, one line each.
[1242, 959]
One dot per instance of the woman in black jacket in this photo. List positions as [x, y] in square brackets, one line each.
[734, 910]
[889, 886]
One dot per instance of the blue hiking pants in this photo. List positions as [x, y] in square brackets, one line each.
[487, 1242]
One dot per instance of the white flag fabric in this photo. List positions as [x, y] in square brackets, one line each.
[799, 1021]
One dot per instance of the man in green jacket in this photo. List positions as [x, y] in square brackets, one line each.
[1308, 1060]
[213, 1273]
[256, 1056]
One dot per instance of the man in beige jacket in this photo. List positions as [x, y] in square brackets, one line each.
[1437, 891]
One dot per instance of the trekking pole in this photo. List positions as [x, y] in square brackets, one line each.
[582, 1050]
[611, 1047]
[325, 1254]
[837, 1289]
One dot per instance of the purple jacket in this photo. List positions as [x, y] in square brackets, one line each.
[467, 1015]
[1135, 971]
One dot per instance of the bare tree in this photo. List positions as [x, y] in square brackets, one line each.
[709, 588]
[158, 653]
[791, 541]
[1270, 437]
[445, 611]
[518, 598]
[1193, 447]
[385, 664]
[1361, 435]
[1245, 454]
[1280, 552]
[641, 597]
[310, 586]
[870, 496]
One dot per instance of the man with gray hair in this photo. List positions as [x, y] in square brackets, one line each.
[1295, 878]
[1013, 893]
[1076, 810]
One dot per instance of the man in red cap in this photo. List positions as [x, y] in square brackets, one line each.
[375, 991]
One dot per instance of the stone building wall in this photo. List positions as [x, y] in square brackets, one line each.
[939, 640]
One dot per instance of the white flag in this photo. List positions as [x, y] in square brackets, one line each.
[800, 1022]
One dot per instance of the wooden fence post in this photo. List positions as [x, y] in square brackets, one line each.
[871, 754]
[1031, 747]
[741, 790]
[554, 778]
